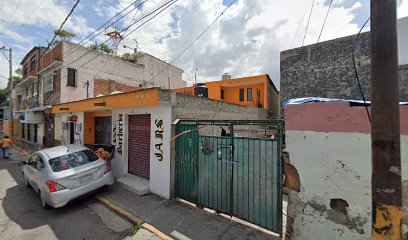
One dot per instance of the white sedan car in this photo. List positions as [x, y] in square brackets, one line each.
[61, 174]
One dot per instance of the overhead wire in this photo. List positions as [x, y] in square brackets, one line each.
[324, 22]
[60, 28]
[88, 37]
[14, 12]
[168, 3]
[195, 40]
[131, 21]
[174, 23]
[356, 72]
[308, 20]
[297, 31]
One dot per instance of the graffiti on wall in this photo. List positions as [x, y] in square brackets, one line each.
[158, 134]
[117, 134]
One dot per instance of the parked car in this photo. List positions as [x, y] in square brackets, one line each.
[61, 174]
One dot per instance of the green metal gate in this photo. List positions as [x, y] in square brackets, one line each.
[238, 174]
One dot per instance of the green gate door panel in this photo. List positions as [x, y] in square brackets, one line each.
[256, 186]
[214, 174]
[238, 176]
[187, 159]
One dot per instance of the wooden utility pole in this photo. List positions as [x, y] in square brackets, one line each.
[385, 128]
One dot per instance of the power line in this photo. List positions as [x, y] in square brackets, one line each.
[324, 22]
[35, 11]
[90, 50]
[131, 21]
[83, 41]
[157, 18]
[169, 3]
[308, 20]
[4, 55]
[355, 69]
[195, 40]
[297, 31]
[179, 20]
[133, 30]
[59, 29]
[14, 12]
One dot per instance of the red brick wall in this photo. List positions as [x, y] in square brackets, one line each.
[124, 88]
[106, 86]
[54, 55]
[54, 95]
[101, 86]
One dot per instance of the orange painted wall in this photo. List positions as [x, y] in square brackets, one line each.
[139, 98]
[89, 125]
[231, 93]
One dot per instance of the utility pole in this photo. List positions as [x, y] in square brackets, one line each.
[10, 60]
[385, 129]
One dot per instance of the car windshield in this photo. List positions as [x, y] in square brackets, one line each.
[72, 160]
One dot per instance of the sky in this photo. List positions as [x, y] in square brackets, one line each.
[246, 40]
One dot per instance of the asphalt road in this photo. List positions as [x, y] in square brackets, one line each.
[22, 217]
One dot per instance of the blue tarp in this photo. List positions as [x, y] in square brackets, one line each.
[21, 117]
[315, 99]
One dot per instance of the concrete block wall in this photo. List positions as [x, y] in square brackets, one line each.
[328, 149]
[192, 107]
[326, 69]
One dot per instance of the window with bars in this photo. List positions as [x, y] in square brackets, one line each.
[48, 82]
[72, 77]
[249, 94]
[241, 94]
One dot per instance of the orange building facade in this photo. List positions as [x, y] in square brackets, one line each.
[257, 91]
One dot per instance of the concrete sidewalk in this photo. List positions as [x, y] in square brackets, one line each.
[180, 220]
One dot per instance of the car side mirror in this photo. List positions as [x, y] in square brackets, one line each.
[22, 163]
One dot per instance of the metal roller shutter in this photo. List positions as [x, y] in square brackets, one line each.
[139, 145]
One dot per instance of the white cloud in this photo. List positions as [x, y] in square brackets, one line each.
[403, 9]
[39, 13]
[246, 40]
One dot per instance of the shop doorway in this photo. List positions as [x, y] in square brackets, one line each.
[139, 145]
[103, 132]
[49, 130]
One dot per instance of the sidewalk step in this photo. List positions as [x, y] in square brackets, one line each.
[134, 184]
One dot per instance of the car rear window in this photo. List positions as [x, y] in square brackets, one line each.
[72, 160]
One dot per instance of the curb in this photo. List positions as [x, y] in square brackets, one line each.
[120, 211]
[129, 216]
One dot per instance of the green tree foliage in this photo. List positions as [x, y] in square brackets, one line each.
[3, 94]
[101, 48]
[127, 57]
[16, 80]
[62, 35]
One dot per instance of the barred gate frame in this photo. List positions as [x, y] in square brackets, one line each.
[191, 170]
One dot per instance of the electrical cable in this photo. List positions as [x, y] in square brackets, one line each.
[4, 55]
[131, 21]
[324, 22]
[60, 28]
[195, 40]
[84, 41]
[179, 20]
[355, 69]
[14, 12]
[308, 20]
[168, 3]
[297, 31]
